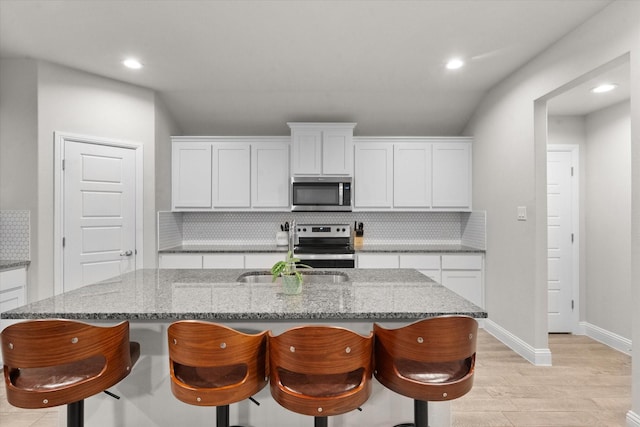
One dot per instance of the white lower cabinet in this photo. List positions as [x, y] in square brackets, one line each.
[429, 265]
[223, 261]
[180, 261]
[463, 275]
[13, 286]
[262, 261]
[378, 261]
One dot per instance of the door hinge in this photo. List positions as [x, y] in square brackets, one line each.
[571, 170]
[571, 237]
[62, 164]
[571, 304]
[64, 241]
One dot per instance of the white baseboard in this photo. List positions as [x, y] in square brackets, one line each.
[610, 339]
[633, 419]
[537, 356]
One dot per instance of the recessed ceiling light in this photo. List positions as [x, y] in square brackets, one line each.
[132, 63]
[604, 88]
[454, 64]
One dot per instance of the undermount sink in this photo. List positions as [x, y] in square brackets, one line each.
[309, 277]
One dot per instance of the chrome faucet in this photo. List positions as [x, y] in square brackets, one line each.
[293, 235]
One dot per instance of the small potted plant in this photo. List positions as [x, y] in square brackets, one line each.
[288, 270]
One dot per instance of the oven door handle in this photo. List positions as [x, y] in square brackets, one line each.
[303, 257]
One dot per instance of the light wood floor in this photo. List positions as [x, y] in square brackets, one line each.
[589, 385]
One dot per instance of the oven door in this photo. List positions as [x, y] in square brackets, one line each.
[327, 260]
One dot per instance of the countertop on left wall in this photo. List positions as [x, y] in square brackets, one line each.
[8, 264]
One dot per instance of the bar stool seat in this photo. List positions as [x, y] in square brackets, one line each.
[56, 362]
[320, 370]
[429, 360]
[214, 365]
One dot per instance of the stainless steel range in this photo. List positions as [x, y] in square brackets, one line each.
[324, 245]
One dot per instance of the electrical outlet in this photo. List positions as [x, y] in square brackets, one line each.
[522, 213]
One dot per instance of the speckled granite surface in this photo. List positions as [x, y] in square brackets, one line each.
[8, 264]
[194, 249]
[365, 249]
[152, 294]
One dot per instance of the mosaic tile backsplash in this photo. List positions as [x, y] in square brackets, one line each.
[243, 228]
[15, 235]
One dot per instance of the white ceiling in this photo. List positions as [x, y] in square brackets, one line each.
[247, 67]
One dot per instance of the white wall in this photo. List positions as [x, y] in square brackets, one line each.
[165, 127]
[509, 170]
[608, 220]
[76, 102]
[605, 213]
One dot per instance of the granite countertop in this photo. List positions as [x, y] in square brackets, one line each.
[8, 264]
[397, 248]
[151, 294]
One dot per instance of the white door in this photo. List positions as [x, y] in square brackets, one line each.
[560, 238]
[99, 206]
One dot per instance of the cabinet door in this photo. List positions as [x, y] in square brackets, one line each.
[373, 181]
[13, 285]
[412, 175]
[337, 152]
[466, 283]
[270, 175]
[191, 175]
[306, 151]
[452, 175]
[231, 175]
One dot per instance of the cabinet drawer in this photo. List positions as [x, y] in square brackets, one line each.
[378, 261]
[11, 279]
[462, 262]
[420, 261]
[223, 261]
[263, 261]
[180, 261]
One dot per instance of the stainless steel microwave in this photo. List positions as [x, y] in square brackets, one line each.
[315, 194]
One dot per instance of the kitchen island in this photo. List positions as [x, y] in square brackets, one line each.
[151, 299]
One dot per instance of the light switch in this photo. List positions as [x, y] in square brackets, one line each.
[522, 213]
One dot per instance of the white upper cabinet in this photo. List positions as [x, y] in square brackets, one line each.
[270, 175]
[452, 175]
[231, 175]
[191, 175]
[412, 175]
[373, 180]
[322, 148]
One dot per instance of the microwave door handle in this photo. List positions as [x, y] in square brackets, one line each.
[340, 193]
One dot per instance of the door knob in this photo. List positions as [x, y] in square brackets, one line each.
[127, 253]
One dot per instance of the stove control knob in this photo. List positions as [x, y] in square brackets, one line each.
[304, 229]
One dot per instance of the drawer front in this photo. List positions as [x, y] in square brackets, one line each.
[11, 299]
[263, 261]
[420, 261]
[223, 261]
[462, 262]
[11, 279]
[181, 261]
[378, 261]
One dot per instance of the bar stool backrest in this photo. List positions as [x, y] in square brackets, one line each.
[330, 367]
[52, 362]
[431, 360]
[214, 365]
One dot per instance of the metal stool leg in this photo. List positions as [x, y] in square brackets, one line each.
[75, 414]
[421, 413]
[320, 422]
[222, 416]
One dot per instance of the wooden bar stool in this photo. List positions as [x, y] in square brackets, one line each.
[320, 370]
[213, 365]
[429, 360]
[56, 362]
